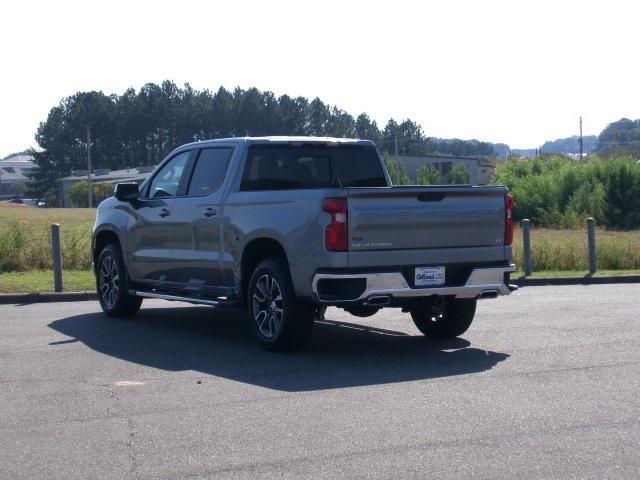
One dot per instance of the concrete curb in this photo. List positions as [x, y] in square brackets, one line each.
[22, 298]
[586, 280]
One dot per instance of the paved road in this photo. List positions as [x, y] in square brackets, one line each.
[544, 385]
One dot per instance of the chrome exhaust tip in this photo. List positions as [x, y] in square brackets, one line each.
[488, 294]
[378, 300]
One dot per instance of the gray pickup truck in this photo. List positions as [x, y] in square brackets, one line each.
[286, 226]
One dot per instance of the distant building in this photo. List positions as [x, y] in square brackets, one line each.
[14, 173]
[480, 169]
[137, 174]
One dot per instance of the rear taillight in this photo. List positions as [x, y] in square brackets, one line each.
[509, 226]
[337, 233]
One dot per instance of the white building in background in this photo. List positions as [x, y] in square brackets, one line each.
[14, 173]
[137, 174]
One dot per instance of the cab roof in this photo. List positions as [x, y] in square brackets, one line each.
[283, 139]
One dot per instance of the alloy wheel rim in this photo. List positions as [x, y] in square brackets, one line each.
[109, 281]
[268, 311]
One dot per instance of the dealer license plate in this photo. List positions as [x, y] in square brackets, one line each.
[429, 276]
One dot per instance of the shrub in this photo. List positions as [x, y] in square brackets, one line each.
[428, 175]
[558, 191]
[79, 193]
[397, 172]
[460, 174]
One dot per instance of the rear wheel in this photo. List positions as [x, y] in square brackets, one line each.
[282, 321]
[111, 284]
[448, 320]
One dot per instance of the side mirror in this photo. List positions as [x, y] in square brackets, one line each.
[125, 192]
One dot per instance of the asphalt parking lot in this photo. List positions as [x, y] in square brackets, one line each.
[544, 385]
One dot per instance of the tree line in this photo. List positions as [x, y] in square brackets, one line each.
[621, 137]
[139, 127]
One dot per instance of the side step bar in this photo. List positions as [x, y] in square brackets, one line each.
[176, 298]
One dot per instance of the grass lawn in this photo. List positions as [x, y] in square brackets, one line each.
[566, 249]
[25, 246]
[42, 281]
[25, 237]
[65, 216]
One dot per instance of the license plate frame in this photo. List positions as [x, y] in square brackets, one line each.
[429, 276]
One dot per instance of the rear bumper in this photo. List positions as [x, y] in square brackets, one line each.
[486, 282]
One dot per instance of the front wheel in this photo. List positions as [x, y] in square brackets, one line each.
[111, 284]
[447, 320]
[282, 321]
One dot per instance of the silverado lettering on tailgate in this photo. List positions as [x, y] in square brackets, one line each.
[428, 216]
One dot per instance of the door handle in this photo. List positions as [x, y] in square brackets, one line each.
[164, 212]
[209, 212]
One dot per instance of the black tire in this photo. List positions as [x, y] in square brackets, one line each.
[111, 284]
[450, 321]
[281, 320]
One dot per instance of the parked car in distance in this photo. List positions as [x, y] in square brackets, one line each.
[286, 226]
[30, 202]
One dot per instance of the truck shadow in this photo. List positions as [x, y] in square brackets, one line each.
[222, 344]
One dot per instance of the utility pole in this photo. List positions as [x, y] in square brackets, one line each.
[395, 137]
[89, 186]
[580, 137]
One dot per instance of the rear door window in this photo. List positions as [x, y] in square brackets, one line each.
[282, 168]
[209, 171]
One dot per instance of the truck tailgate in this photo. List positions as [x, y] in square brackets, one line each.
[402, 218]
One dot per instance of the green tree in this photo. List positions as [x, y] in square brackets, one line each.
[62, 138]
[460, 174]
[428, 175]
[292, 114]
[621, 177]
[340, 124]
[410, 138]
[367, 129]
[318, 117]
[80, 196]
[619, 138]
[458, 147]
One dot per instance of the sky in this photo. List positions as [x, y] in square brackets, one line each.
[519, 72]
